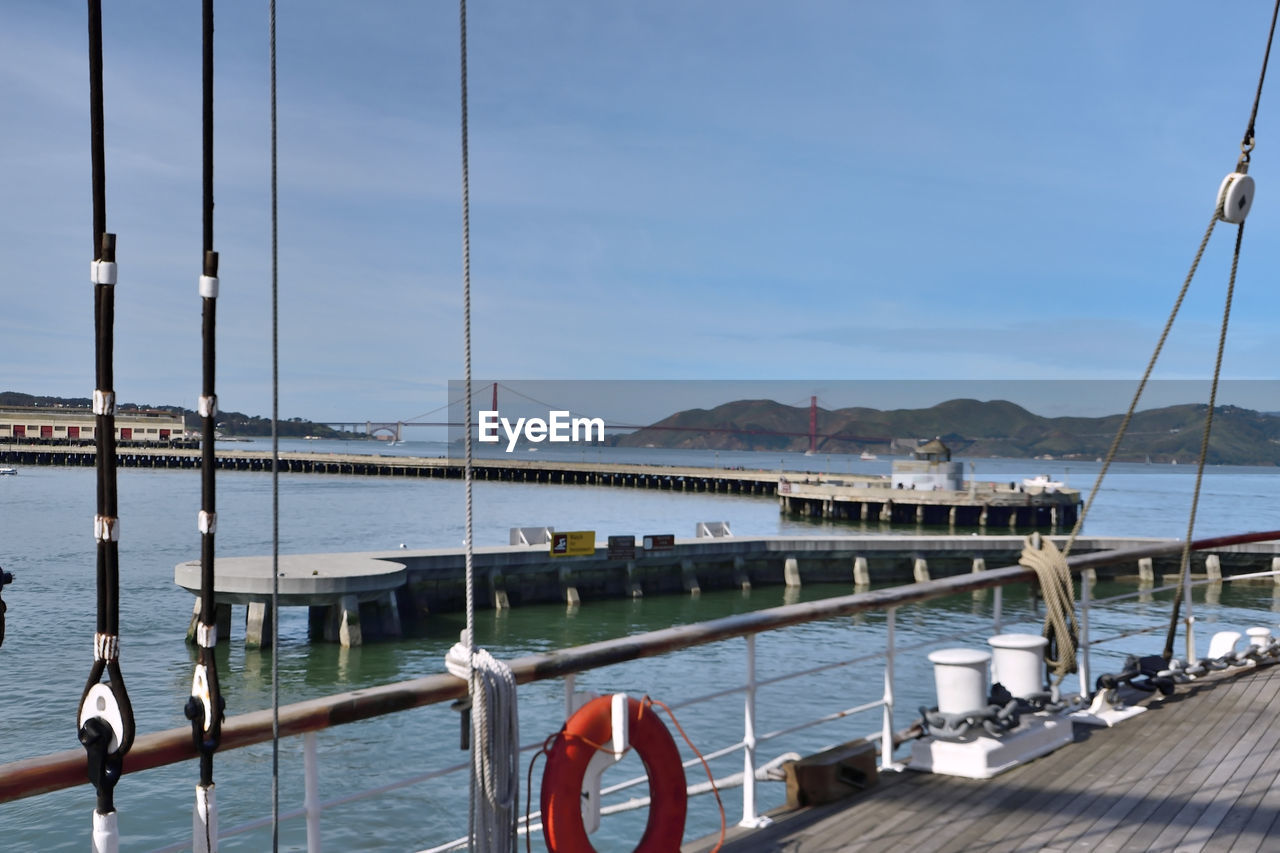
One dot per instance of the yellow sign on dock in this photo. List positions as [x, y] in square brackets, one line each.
[573, 543]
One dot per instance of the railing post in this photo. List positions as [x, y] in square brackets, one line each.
[749, 816]
[568, 696]
[886, 734]
[1190, 620]
[1086, 689]
[997, 607]
[311, 796]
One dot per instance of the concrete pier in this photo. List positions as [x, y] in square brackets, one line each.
[980, 506]
[399, 590]
[334, 586]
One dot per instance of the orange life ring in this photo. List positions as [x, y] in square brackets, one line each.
[562, 824]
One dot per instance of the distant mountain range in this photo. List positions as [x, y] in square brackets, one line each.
[972, 428]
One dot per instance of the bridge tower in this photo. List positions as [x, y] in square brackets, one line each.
[813, 425]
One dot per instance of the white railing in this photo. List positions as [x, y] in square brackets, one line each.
[35, 776]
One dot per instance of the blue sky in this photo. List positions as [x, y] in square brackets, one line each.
[803, 191]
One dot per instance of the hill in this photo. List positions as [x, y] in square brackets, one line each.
[972, 428]
[230, 423]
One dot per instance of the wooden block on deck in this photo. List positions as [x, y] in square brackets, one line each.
[831, 775]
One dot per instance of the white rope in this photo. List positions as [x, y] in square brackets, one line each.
[495, 746]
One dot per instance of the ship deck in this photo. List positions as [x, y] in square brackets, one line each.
[1196, 772]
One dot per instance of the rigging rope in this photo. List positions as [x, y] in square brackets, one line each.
[1185, 562]
[105, 719]
[494, 726]
[1243, 200]
[275, 458]
[205, 706]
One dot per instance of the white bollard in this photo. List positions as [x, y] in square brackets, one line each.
[1018, 662]
[1223, 642]
[1259, 637]
[961, 679]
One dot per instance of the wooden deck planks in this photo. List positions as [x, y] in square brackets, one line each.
[1198, 772]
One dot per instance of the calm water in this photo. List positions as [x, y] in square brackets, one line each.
[45, 524]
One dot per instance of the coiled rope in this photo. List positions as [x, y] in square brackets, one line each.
[1060, 628]
[494, 735]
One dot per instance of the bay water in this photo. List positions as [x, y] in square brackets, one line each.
[45, 539]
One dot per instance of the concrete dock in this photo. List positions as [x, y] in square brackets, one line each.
[381, 594]
[333, 585]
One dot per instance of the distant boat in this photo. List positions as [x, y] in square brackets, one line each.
[1042, 481]
[867, 456]
[9, 471]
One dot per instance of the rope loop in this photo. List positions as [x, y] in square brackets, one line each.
[1060, 628]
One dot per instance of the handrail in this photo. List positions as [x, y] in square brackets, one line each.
[56, 771]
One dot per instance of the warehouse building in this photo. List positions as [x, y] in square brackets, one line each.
[48, 425]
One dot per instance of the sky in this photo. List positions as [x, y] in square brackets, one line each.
[962, 195]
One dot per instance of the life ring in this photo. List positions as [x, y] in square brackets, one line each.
[562, 824]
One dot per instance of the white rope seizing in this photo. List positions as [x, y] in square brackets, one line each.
[495, 746]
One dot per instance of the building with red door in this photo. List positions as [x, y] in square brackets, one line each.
[58, 425]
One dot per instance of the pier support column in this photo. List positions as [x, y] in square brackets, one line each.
[222, 619]
[689, 575]
[257, 625]
[951, 516]
[389, 615]
[886, 511]
[740, 576]
[861, 573]
[498, 591]
[1213, 567]
[1146, 570]
[1275, 567]
[791, 572]
[979, 564]
[919, 513]
[920, 571]
[342, 623]
[1089, 576]
[637, 591]
[862, 511]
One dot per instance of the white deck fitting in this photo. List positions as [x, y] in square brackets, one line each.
[1109, 717]
[983, 757]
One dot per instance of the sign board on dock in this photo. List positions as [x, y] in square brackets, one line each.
[622, 547]
[573, 543]
[660, 542]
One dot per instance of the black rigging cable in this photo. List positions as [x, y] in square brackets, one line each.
[205, 706]
[105, 720]
[275, 461]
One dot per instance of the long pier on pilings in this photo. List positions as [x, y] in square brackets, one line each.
[670, 477]
[983, 506]
[354, 598]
